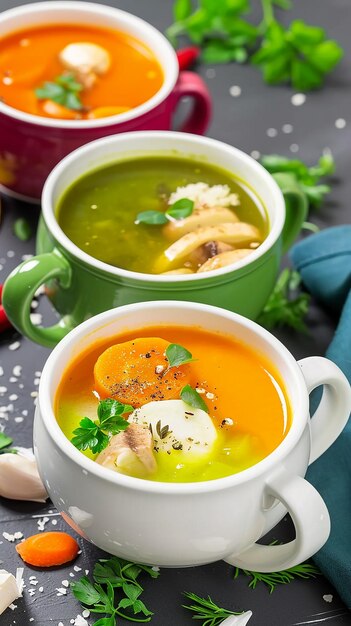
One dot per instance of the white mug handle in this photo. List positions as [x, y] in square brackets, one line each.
[335, 406]
[306, 507]
[310, 517]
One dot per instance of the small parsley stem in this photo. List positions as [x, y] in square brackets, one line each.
[132, 619]
[268, 14]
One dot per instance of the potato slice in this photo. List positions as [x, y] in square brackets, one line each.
[237, 234]
[223, 259]
[209, 216]
[85, 57]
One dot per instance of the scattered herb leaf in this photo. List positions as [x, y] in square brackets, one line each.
[64, 90]
[189, 395]
[95, 436]
[4, 441]
[177, 355]
[99, 596]
[206, 610]
[300, 55]
[22, 229]
[304, 571]
[162, 431]
[282, 308]
[180, 209]
[154, 218]
[307, 177]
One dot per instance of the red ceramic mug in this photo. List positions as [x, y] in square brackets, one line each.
[30, 146]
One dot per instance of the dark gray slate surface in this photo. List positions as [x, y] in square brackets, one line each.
[243, 122]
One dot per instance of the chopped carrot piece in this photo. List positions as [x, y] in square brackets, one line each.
[48, 549]
[136, 372]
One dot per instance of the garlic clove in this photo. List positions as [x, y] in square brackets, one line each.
[19, 478]
[85, 57]
[238, 620]
[9, 590]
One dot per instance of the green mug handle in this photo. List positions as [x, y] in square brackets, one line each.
[296, 207]
[19, 291]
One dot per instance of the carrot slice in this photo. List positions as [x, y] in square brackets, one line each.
[136, 372]
[48, 549]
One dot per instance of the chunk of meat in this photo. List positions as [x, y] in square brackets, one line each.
[129, 449]
[224, 259]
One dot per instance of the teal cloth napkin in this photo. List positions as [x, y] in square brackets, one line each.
[324, 262]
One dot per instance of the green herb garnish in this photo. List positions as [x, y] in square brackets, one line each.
[206, 610]
[304, 571]
[284, 307]
[22, 229]
[64, 90]
[190, 396]
[153, 218]
[300, 55]
[5, 441]
[95, 436]
[307, 177]
[177, 211]
[180, 209]
[99, 595]
[177, 355]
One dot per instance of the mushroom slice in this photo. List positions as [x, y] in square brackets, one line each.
[130, 451]
[181, 270]
[85, 58]
[207, 251]
[237, 234]
[226, 258]
[205, 216]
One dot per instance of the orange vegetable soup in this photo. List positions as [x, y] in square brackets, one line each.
[173, 404]
[76, 72]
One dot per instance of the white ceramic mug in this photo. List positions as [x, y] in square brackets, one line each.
[187, 524]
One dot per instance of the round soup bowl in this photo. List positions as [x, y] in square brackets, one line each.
[185, 524]
[81, 286]
[30, 145]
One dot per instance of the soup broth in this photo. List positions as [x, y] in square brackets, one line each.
[31, 58]
[99, 212]
[246, 403]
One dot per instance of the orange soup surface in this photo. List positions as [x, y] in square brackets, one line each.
[247, 412]
[29, 59]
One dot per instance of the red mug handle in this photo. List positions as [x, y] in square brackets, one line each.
[192, 85]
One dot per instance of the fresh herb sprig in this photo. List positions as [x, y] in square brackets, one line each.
[206, 610]
[308, 178]
[64, 90]
[300, 55]
[177, 211]
[95, 436]
[190, 396]
[303, 571]
[5, 442]
[285, 306]
[111, 577]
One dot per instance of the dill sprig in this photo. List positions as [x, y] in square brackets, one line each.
[205, 609]
[304, 571]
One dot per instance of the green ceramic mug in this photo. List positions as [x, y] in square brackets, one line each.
[81, 286]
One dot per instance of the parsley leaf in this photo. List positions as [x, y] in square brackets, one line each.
[112, 576]
[4, 441]
[190, 396]
[282, 308]
[64, 90]
[151, 217]
[180, 209]
[177, 355]
[95, 436]
[301, 55]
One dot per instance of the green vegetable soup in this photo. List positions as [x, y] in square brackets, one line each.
[99, 211]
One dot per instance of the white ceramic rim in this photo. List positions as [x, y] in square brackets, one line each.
[167, 60]
[300, 406]
[170, 138]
